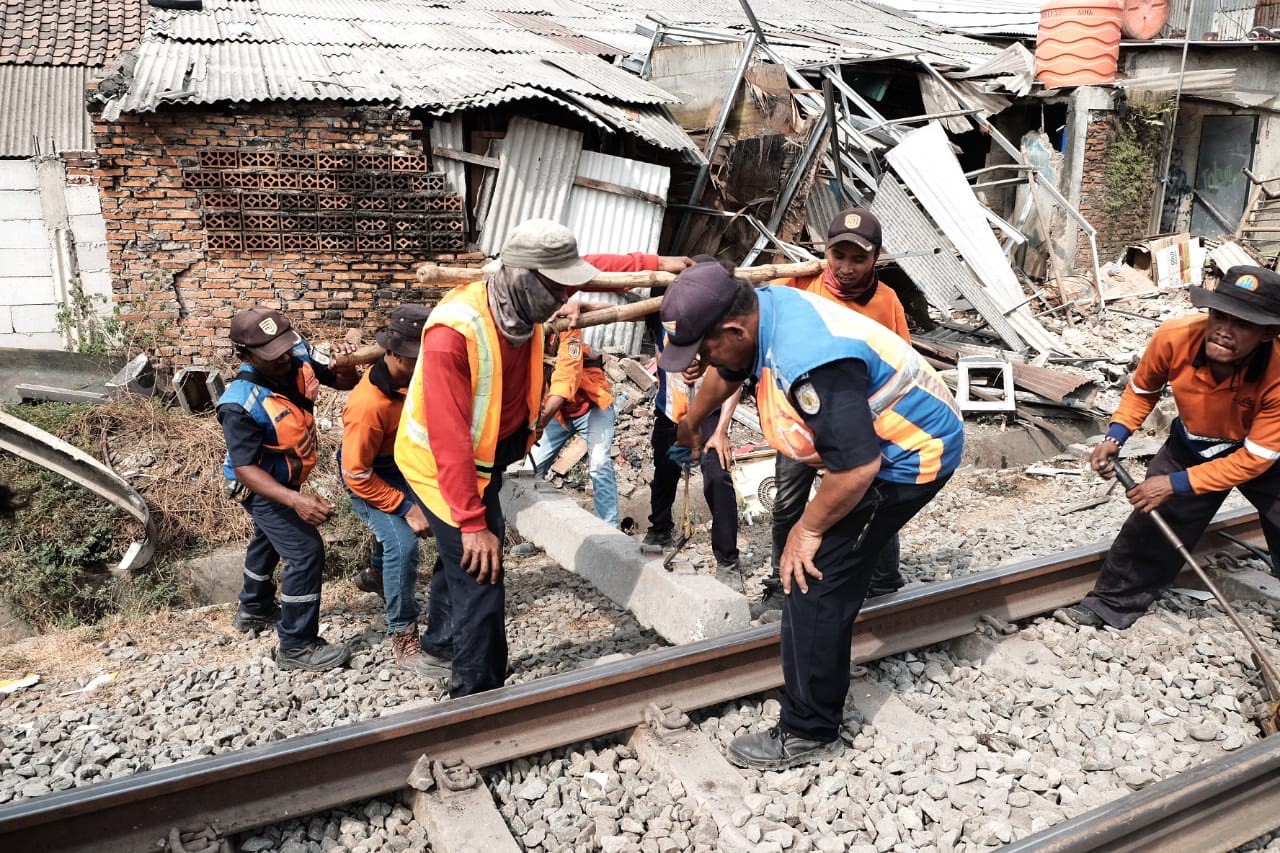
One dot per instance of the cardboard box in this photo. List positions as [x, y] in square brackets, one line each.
[1170, 260]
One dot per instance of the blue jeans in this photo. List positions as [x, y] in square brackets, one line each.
[395, 559]
[596, 426]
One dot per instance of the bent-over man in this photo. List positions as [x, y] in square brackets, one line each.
[838, 391]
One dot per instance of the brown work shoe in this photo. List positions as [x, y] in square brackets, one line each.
[410, 655]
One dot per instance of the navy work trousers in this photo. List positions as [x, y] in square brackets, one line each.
[279, 534]
[817, 626]
[465, 618]
[717, 488]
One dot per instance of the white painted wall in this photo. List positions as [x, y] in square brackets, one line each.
[32, 280]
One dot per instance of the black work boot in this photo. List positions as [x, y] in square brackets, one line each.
[253, 623]
[317, 656]
[775, 749]
[655, 540]
[1079, 616]
[370, 581]
[769, 609]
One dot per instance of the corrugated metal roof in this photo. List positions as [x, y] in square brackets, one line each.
[69, 32]
[976, 17]
[43, 108]
[535, 173]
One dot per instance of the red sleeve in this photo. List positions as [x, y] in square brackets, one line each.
[446, 391]
[633, 262]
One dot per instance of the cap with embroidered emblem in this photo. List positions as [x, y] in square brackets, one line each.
[403, 335]
[858, 226]
[263, 331]
[694, 303]
[1250, 293]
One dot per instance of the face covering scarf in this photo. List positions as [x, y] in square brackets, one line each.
[519, 301]
[860, 293]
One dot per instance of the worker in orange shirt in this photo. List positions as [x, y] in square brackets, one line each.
[849, 279]
[1223, 370]
[580, 401]
[379, 493]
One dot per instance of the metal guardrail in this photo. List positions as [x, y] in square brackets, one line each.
[48, 451]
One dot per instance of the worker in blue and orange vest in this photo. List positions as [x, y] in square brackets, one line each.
[852, 248]
[838, 391]
[267, 421]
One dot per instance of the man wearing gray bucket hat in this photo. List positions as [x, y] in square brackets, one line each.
[1224, 373]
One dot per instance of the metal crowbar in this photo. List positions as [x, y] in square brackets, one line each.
[1270, 721]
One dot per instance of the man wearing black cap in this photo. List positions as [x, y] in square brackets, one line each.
[1224, 373]
[838, 391]
[853, 245]
[266, 417]
[379, 493]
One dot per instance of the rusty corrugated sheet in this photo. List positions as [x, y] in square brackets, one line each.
[535, 173]
[43, 109]
[606, 222]
[1267, 14]
[1051, 384]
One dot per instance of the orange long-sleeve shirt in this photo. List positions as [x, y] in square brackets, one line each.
[572, 379]
[369, 423]
[1243, 409]
[884, 306]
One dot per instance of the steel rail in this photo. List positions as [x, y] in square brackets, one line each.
[305, 774]
[1215, 806]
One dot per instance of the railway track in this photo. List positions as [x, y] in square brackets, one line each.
[235, 792]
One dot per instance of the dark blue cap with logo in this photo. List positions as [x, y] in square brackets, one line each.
[694, 303]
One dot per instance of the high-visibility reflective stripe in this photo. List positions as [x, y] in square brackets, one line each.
[889, 393]
[1144, 391]
[484, 375]
[894, 428]
[299, 599]
[258, 578]
[1261, 452]
[352, 475]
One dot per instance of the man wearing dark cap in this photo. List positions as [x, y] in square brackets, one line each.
[1224, 372]
[853, 246]
[266, 417]
[379, 493]
[838, 391]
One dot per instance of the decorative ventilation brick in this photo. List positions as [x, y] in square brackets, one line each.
[411, 203]
[222, 220]
[224, 241]
[447, 223]
[363, 182]
[297, 201]
[317, 181]
[333, 201]
[372, 223]
[200, 179]
[447, 242]
[277, 180]
[297, 160]
[298, 221]
[243, 180]
[373, 202]
[216, 199]
[220, 159]
[259, 241]
[339, 221]
[373, 162]
[409, 163]
[261, 222]
[338, 242]
[258, 159]
[373, 242]
[408, 223]
[259, 201]
[411, 241]
[344, 181]
[433, 182]
[297, 241]
[334, 161]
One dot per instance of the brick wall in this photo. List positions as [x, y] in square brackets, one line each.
[1115, 231]
[179, 290]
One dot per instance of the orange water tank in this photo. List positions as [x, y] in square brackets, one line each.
[1143, 19]
[1078, 43]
